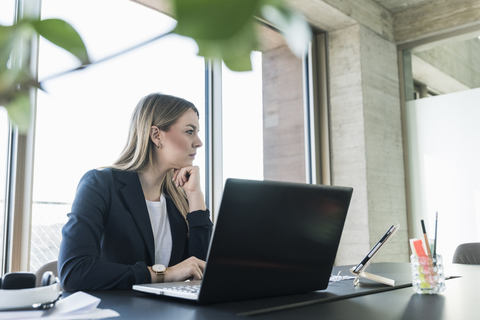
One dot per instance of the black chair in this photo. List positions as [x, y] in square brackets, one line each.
[467, 253]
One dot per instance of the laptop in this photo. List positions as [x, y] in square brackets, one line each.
[270, 238]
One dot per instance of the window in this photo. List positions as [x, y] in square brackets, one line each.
[263, 116]
[243, 122]
[4, 134]
[7, 13]
[422, 91]
[83, 117]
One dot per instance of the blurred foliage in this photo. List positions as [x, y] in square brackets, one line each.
[16, 78]
[222, 29]
[226, 29]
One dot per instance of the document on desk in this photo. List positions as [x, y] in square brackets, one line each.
[79, 305]
[340, 277]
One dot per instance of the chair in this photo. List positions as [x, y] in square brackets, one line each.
[50, 266]
[467, 253]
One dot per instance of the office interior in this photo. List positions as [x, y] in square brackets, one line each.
[384, 102]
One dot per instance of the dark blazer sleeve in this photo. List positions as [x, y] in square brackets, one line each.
[102, 247]
[200, 231]
[192, 240]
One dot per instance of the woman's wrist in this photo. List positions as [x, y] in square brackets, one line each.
[156, 277]
[196, 201]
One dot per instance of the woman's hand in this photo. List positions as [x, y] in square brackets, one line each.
[191, 268]
[188, 178]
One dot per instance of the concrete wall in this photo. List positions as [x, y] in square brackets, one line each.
[384, 145]
[348, 155]
[283, 120]
[366, 141]
[459, 60]
[438, 20]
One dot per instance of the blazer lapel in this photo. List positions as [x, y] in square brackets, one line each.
[179, 230]
[135, 200]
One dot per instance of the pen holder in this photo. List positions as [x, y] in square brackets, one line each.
[427, 274]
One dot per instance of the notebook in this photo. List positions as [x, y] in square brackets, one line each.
[270, 238]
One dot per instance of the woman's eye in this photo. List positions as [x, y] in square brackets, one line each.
[190, 132]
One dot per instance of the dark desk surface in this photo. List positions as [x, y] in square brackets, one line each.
[341, 300]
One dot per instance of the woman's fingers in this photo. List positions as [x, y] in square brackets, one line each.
[183, 175]
[197, 274]
[188, 178]
[175, 173]
[191, 268]
[179, 177]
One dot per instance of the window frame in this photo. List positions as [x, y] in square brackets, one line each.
[16, 249]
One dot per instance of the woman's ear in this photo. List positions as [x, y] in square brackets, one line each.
[156, 136]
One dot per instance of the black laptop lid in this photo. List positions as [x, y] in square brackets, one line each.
[273, 238]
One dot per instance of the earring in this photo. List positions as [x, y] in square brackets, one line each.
[159, 146]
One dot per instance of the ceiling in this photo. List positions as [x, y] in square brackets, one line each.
[399, 5]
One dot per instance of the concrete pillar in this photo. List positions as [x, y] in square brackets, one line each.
[366, 141]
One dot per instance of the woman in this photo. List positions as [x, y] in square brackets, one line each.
[146, 212]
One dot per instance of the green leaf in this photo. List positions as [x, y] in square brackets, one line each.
[239, 63]
[63, 35]
[6, 45]
[15, 46]
[222, 29]
[221, 50]
[12, 79]
[19, 111]
[213, 19]
[239, 46]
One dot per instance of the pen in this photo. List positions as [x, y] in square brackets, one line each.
[435, 240]
[375, 249]
[426, 238]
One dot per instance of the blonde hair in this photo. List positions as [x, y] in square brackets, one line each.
[162, 111]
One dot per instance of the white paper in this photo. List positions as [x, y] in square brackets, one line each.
[13, 315]
[93, 314]
[79, 305]
[79, 302]
[340, 278]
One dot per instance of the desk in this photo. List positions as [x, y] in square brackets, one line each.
[340, 301]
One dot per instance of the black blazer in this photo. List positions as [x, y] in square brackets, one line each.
[108, 241]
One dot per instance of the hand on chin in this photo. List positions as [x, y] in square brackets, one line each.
[187, 177]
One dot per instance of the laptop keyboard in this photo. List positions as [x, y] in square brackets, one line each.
[184, 288]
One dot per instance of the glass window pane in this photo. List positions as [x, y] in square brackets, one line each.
[4, 132]
[7, 14]
[243, 121]
[83, 117]
[263, 121]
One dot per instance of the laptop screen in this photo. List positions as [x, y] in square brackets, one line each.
[273, 238]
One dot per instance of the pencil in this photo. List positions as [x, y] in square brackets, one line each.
[426, 238]
[435, 240]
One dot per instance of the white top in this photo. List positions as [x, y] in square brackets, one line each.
[161, 230]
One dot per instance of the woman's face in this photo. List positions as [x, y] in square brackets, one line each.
[180, 143]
